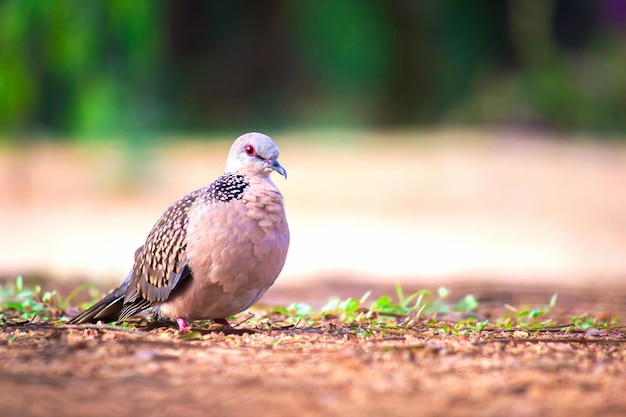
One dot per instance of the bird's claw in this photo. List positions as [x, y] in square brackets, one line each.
[182, 325]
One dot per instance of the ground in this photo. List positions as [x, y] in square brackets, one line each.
[512, 217]
[327, 368]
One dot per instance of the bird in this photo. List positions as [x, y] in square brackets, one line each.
[214, 252]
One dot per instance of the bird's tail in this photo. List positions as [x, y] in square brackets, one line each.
[107, 309]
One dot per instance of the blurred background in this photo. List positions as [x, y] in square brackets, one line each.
[426, 141]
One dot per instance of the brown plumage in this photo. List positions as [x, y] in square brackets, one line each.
[214, 252]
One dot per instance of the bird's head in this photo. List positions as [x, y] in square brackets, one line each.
[254, 153]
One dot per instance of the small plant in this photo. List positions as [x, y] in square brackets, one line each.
[440, 305]
[348, 310]
[383, 316]
[26, 303]
[294, 312]
[586, 322]
[528, 318]
[407, 309]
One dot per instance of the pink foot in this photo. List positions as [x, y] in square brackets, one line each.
[223, 322]
[182, 325]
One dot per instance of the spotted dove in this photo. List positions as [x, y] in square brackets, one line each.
[214, 252]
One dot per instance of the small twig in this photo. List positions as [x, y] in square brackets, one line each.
[547, 340]
[389, 314]
[250, 316]
[96, 327]
[386, 338]
[547, 329]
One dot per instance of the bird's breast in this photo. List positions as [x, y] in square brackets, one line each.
[240, 245]
[235, 251]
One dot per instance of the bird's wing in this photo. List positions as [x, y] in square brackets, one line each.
[161, 264]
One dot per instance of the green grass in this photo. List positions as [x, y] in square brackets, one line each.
[28, 303]
[361, 316]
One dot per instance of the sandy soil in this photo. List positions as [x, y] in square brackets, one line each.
[324, 369]
[286, 373]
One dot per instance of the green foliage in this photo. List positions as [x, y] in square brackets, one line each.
[27, 303]
[432, 310]
[17, 300]
[127, 68]
[406, 307]
[586, 322]
[294, 312]
[421, 308]
[528, 318]
[192, 335]
[79, 67]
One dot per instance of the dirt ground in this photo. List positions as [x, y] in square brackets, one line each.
[510, 217]
[326, 369]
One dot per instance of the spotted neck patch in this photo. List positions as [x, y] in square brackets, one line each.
[226, 188]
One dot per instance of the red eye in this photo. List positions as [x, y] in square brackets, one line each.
[250, 151]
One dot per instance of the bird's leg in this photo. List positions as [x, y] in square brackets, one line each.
[223, 322]
[182, 325]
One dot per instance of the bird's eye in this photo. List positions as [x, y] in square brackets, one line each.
[250, 151]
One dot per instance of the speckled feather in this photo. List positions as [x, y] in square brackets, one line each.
[162, 262]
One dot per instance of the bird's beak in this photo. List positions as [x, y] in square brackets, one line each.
[277, 167]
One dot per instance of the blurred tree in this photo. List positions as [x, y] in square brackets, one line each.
[343, 49]
[84, 68]
[88, 68]
[568, 75]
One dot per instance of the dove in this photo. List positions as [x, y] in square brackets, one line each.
[214, 252]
